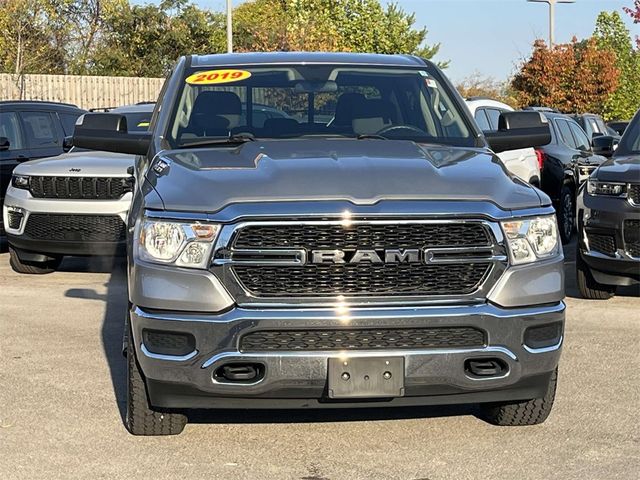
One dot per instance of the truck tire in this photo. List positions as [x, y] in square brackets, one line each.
[587, 285]
[32, 268]
[566, 215]
[140, 418]
[520, 414]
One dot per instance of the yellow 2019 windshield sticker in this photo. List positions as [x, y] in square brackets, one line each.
[212, 77]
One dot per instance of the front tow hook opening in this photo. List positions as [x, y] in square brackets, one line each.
[485, 367]
[239, 373]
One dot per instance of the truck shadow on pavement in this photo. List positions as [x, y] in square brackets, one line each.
[112, 329]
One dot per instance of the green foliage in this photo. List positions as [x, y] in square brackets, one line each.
[145, 40]
[328, 25]
[31, 32]
[123, 38]
[612, 34]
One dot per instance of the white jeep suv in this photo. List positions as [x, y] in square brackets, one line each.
[523, 162]
[72, 204]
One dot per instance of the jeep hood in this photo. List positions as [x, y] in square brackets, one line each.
[620, 169]
[80, 164]
[359, 171]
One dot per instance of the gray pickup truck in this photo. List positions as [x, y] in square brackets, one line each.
[363, 248]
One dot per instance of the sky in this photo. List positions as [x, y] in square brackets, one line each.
[492, 36]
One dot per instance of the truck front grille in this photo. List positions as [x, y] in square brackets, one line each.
[362, 279]
[79, 228]
[632, 237]
[280, 260]
[368, 236]
[362, 339]
[80, 188]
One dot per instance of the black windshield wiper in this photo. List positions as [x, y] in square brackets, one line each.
[230, 140]
[368, 136]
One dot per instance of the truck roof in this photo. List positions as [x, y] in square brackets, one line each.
[305, 57]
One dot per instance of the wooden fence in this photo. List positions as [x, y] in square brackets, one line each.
[83, 91]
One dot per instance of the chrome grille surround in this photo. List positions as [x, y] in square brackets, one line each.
[226, 257]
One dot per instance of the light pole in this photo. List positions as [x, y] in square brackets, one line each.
[552, 16]
[229, 28]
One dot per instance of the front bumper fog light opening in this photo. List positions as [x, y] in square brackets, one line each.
[543, 336]
[176, 344]
[15, 216]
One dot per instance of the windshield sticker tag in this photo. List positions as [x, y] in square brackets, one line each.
[212, 77]
[431, 83]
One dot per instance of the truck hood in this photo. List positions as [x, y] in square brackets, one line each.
[80, 164]
[359, 171]
[620, 169]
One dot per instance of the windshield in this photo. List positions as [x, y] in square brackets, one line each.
[630, 142]
[317, 100]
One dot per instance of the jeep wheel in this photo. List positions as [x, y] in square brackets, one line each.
[520, 414]
[587, 285]
[565, 215]
[32, 268]
[140, 418]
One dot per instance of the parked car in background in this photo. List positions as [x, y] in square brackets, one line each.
[72, 204]
[32, 129]
[594, 126]
[522, 162]
[608, 251]
[565, 164]
[618, 126]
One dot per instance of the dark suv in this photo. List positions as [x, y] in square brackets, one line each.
[564, 164]
[595, 126]
[609, 221]
[29, 130]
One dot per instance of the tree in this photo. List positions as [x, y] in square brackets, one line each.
[612, 34]
[635, 14]
[328, 25]
[477, 85]
[576, 77]
[28, 37]
[145, 40]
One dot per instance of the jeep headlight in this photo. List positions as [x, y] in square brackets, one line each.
[176, 243]
[20, 181]
[612, 189]
[532, 239]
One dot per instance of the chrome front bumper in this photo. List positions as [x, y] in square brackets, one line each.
[303, 374]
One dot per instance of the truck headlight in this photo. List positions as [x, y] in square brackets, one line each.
[20, 181]
[176, 243]
[612, 189]
[532, 239]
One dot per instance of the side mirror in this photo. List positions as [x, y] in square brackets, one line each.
[108, 132]
[67, 143]
[596, 135]
[605, 145]
[4, 143]
[518, 130]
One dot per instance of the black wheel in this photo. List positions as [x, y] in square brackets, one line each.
[140, 418]
[32, 268]
[520, 414]
[566, 215]
[587, 285]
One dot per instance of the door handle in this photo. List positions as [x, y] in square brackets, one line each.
[22, 158]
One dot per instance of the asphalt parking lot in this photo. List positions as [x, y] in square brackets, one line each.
[62, 394]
